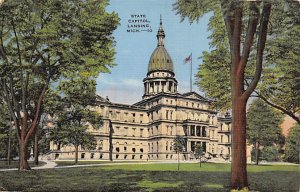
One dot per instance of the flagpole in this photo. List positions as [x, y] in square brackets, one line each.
[191, 79]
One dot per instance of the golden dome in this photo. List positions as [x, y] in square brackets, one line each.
[160, 60]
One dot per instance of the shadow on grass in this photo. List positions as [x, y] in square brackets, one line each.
[97, 179]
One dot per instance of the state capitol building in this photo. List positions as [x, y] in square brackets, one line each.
[146, 129]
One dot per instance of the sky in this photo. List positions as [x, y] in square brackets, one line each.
[133, 49]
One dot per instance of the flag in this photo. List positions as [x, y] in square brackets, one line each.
[188, 59]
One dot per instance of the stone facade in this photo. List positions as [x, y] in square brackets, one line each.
[146, 129]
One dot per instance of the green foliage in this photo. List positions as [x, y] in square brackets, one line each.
[292, 145]
[47, 45]
[263, 131]
[179, 144]
[271, 153]
[193, 10]
[213, 75]
[198, 150]
[268, 153]
[263, 124]
[4, 134]
[280, 82]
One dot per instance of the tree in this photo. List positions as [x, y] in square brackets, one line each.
[263, 126]
[79, 95]
[8, 143]
[43, 43]
[279, 86]
[76, 135]
[292, 145]
[253, 18]
[178, 147]
[199, 152]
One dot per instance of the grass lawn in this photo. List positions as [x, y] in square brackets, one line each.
[150, 177]
[66, 163]
[15, 164]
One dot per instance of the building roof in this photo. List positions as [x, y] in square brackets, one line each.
[160, 59]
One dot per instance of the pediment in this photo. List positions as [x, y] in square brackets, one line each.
[194, 95]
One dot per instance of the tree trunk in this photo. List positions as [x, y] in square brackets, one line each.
[76, 154]
[23, 163]
[178, 161]
[200, 160]
[9, 144]
[256, 152]
[36, 146]
[239, 165]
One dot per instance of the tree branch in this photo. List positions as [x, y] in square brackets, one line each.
[264, 20]
[252, 24]
[289, 113]
[228, 19]
[37, 112]
[9, 102]
[236, 36]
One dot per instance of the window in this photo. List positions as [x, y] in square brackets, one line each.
[193, 145]
[141, 156]
[125, 146]
[203, 132]
[141, 150]
[192, 130]
[101, 156]
[125, 131]
[92, 155]
[198, 130]
[125, 117]
[82, 155]
[133, 117]
[117, 149]
[117, 156]
[141, 132]
[100, 145]
[133, 132]
[117, 130]
[141, 118]
[133, 156]
[133, 150]
[125, 156]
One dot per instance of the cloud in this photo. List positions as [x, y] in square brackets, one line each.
[127, 91]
